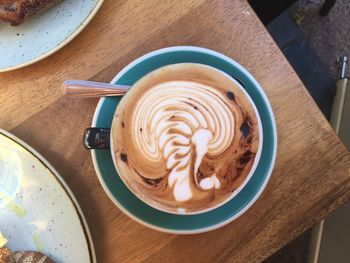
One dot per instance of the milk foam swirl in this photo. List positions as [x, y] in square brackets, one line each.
[178, 123]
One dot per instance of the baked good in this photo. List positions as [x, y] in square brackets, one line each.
[16, 11]
[28, 257]
[4, 251]
[6, 256]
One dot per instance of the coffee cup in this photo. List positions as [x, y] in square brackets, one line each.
[185, 139]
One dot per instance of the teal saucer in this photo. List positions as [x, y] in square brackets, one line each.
[186, 224]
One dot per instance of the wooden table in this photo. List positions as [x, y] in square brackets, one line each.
[311, 176]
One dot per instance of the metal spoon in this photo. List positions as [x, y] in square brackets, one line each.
[91, 89]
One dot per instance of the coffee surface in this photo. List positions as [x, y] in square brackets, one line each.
[185, 138]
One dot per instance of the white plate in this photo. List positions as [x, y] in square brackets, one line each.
[38, 211]
[45, 33]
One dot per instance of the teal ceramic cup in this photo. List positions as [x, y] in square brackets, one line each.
[126, 201]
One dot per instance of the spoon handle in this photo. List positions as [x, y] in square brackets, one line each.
[91, 89]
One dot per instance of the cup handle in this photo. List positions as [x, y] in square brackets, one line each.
[96, 138]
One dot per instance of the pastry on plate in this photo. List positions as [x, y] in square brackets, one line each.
[4, 251]
[16, 11]
[28, 257]
[6, 256]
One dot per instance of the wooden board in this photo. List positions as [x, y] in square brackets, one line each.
[312, 172]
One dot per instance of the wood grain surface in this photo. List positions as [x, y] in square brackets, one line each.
[312, 172]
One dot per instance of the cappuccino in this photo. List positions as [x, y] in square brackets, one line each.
[185, 138]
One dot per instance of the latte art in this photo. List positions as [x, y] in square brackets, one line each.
[179, 123]
[185, 138]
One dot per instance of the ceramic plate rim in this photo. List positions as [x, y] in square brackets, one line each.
[64, 186]
[62, 44]
[274, 132]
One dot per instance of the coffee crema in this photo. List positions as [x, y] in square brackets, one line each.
[185, 138]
